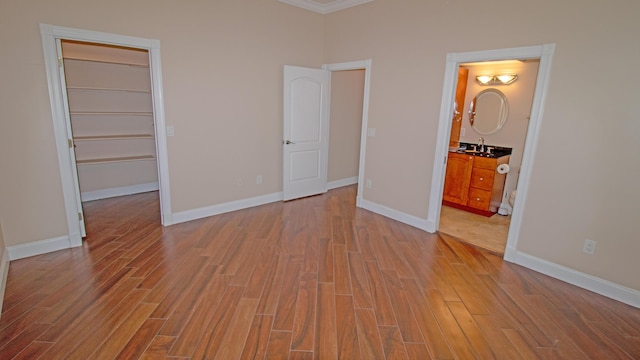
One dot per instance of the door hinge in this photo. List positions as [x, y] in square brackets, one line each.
[70, 143]
[445, 160]
[80, 217]
[60, 62]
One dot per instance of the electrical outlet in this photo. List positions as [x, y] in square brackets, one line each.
[371, 132]
[369, 184]
[259, 179]
[589, 246]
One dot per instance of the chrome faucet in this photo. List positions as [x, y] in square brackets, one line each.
[481, 144]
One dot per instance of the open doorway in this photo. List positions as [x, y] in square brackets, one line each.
[52, 36]
[345, 126]
[454, 60]
[354, 78]
[489, 128]
[109, 102]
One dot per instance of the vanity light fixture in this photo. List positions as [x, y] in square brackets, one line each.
[504, 79]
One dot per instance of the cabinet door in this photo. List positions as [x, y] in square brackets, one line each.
[457, 178]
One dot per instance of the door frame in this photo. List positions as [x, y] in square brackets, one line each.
[50, 35]
[366, 66]
[542, 52]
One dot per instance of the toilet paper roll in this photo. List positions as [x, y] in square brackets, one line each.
[503, 168]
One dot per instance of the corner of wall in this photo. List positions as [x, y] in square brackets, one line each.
[4, 272]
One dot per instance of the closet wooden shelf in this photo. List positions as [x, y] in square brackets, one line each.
[115, 160]
[113, 137]
[141, 113]
[92, 88]
[104, 61]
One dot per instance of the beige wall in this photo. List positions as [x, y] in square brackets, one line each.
[586, 165]
[222, 69]
[347, 94]
[519, 98]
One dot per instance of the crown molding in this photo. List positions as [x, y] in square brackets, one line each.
[324, 9]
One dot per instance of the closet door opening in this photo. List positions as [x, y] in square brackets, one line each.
[52, 38]
[110, 108]
[111, 116]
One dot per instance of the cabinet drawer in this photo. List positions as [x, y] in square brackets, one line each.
[482, 178]
[479, 199]
[484, 163]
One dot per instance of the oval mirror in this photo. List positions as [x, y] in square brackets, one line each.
[488, 111]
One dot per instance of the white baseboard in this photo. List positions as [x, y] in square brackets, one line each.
[4, 272]
[207, 211]
[118, 191]
[394, 214]
[600, 286]
[38, 247]
[342, 182]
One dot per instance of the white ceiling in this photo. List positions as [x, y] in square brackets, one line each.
[325, 6]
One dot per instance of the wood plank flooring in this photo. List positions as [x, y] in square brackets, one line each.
[314, 278]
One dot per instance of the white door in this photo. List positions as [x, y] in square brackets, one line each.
[72, 152]
[306, 130]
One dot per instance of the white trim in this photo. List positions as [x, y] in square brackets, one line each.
[49, 46]
[118, 191]
[355, 65]
[600, 286]
[203, 212]
[4, 273]
[34, 248]
[545, 54]
[50, 34]
[324, 9]
[207, 211]
[342, 182]
[394, 214]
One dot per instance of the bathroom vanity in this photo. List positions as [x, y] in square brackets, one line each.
[472, 182]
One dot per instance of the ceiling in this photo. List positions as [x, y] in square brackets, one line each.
[325, 6]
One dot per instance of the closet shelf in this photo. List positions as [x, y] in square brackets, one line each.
[113, 137]
[92, 88]
[141, 113]
[104, 61]
[115, 160]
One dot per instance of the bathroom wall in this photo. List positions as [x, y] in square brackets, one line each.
[519, 97]
[347, 94]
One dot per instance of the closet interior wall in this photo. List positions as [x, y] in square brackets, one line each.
[111, 112]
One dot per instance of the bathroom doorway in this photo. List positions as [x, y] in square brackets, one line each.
[479, 213]
[543, 54]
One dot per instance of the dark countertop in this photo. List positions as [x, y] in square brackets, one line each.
[495, 152]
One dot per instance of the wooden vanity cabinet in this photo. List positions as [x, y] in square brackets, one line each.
[457, 178]
[473, 184]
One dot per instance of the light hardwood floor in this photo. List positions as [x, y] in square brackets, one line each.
[489, 233]
[314, 278]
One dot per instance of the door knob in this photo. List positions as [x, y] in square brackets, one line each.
[288, 142]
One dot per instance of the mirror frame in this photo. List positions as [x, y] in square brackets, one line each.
[502, 116]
